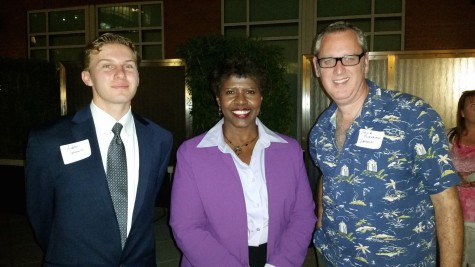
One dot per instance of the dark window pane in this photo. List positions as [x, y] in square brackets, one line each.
[387, 24]
[234, 11]
[152, 36]
[152, 52]
[37, 22]
[38, 54]
[290, 51]
[387, 42]
[235, 31]
[70, 20]
[66, 55]
[67, 39]
[118, 17]
[274, 30]
[363, 24]
[152, 15]
[331, 8]
[38, 41]
[388, 6]
[265, 10]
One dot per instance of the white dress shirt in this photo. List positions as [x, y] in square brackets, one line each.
[103, 123]
[252, 178]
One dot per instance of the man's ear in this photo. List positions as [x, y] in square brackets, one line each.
[316, 68]
[86, 77]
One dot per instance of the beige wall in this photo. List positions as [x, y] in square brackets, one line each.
[438, 76]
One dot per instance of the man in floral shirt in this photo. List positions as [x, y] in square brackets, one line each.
[388, 183]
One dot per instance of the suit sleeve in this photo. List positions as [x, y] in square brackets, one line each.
[189, 222]
[39, 189]
[166, 149]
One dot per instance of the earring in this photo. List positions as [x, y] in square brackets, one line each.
[220, 113]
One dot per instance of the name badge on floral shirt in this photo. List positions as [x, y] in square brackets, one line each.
[368, 138]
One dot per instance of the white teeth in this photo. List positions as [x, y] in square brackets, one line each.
[341, 81]
[241, 112]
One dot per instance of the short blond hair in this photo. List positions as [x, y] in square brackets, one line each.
[108, 38]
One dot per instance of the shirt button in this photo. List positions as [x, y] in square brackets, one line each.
[258, 229]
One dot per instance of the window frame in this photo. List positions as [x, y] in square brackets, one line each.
[47, 34]
[90, 31]
[372, 17]
[140, 44]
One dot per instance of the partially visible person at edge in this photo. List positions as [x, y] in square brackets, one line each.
[387, 195]
[241, 195]
[462, 148]
[70, 192]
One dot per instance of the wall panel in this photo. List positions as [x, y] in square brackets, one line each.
[439, 77]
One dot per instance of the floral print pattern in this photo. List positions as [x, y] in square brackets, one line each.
[376, 190]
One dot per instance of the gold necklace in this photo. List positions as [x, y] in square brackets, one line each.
[238, 149]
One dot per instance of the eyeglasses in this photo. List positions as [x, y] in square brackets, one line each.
[348, 60]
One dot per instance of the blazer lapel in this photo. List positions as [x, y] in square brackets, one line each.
[229, 162]
[84, 129]
[144, 137]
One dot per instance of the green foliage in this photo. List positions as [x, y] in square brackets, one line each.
[203, 54]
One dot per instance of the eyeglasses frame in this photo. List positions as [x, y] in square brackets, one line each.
[341, 60]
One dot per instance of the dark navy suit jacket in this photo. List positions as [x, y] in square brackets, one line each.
[69, 205]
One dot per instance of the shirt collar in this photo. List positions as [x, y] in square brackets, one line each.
[104, 122]
[214, 137]
[373, 90]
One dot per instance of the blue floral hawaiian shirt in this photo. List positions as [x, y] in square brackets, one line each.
[376, 190]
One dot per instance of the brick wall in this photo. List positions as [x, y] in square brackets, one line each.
[185, 19]
[440, 24]
[430, 24]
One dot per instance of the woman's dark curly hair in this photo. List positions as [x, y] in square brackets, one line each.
[237, 67]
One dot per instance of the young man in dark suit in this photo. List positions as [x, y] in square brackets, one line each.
[83, 209]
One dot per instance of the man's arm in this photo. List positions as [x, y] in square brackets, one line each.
[319, 202]
[39, 189]
[449, 226]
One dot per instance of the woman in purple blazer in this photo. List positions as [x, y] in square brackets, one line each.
[241, 195]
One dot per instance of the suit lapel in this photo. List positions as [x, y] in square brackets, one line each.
[229, 162]
[84, 129]
[271, 159]
[277, 166]
[144, 137]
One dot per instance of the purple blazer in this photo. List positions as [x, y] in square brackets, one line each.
[208, 210]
